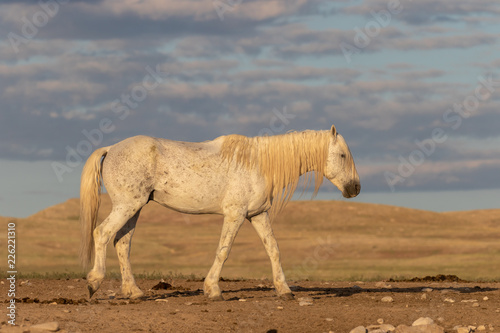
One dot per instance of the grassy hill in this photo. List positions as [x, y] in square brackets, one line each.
[326, 240]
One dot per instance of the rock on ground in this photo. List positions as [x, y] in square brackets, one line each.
[423, 321]
[433, 328]
[45, 327]
[359, 329]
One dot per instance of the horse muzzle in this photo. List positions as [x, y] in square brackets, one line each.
[352, 190]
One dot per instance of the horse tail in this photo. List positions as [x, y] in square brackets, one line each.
[90, 191]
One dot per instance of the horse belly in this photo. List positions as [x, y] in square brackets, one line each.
[190, 191]
[185, 201]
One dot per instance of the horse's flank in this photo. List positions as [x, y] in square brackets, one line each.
[281, 159]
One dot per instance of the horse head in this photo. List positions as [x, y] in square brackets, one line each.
[340, 168]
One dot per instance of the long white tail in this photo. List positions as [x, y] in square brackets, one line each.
[90, 191]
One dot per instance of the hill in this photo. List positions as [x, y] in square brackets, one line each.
[331, 240]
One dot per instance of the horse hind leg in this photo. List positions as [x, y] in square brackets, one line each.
[123, 242]
[118, 217]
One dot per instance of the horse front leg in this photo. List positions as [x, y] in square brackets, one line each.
[232, 223]
[123, 242]
[262, 225]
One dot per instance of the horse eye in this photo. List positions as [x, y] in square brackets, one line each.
[342, 155]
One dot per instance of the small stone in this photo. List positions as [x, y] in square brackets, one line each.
[52, 326]
[462, 329]
[447, 291]
[423, 321]
[71, 287]
[387, 299]
[481, 328]
[419, 329]
[66, 311]
[469, 300]
[387, 328]
[280, 308]
[359, 329]
[53, 303]
[380, 321]
[427, 290]
[305, 299]
[329, 319]
[161, 300]
[485, 298]
[382, 284]
[475, 305]
[424, 296]
[188, 303]
[372, 328]
[449, 300]
[242, 300]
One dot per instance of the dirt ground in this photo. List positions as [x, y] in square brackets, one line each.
[251, 306]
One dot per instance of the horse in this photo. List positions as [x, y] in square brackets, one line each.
[235, 176]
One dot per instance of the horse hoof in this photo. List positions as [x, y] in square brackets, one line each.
[216, 298]
[287, 297]
[136, 295]
[91, 291]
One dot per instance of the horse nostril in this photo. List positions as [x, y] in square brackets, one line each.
[357, 187]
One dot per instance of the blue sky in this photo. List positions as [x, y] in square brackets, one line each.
[416, 94]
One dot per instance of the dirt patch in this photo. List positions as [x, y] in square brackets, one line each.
[437, 278]
[251, 306]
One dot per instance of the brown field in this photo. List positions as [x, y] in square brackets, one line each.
[327, 247]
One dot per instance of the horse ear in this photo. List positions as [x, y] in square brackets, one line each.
[334, 131]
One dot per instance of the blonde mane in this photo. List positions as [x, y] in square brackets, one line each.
[281, 159]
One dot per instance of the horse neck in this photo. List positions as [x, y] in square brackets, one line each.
[297, 153]
[311, 149]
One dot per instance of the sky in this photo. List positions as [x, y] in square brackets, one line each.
[413, 86]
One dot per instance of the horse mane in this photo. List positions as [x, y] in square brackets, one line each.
[281, 159]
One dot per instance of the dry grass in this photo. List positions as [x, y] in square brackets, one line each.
[323, 240]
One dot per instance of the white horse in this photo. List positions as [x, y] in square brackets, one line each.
[236, 176]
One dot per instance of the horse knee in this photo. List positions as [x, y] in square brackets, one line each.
[101, 236]
[222, 254]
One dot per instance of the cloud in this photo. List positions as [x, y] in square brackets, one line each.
[427, 11]
[443, 42]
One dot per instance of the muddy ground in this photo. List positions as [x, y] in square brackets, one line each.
[251, 306]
